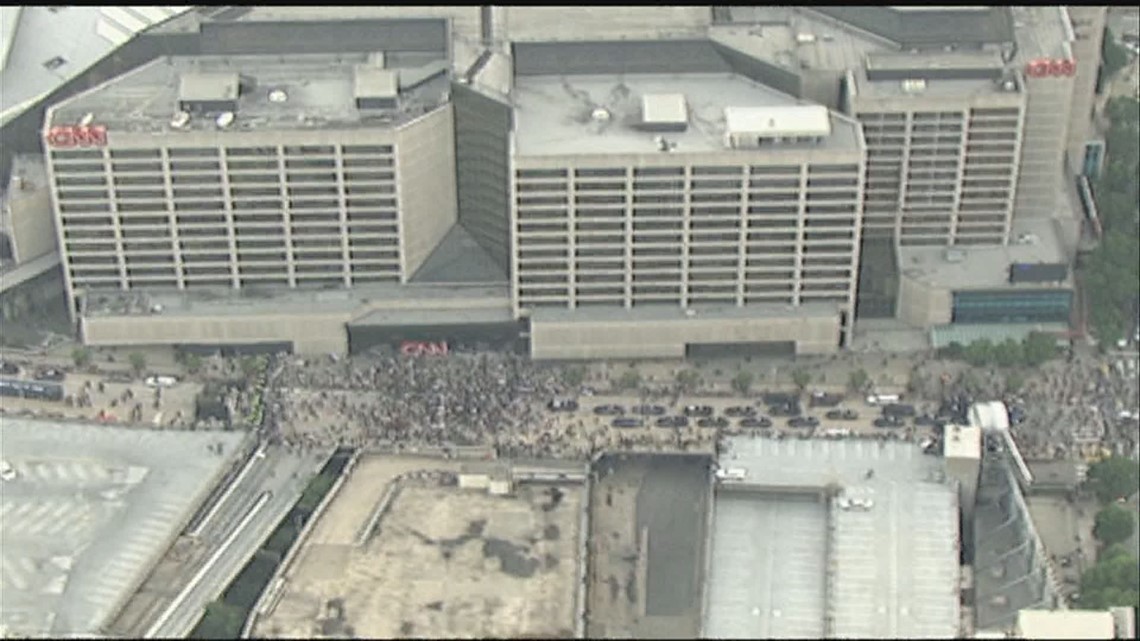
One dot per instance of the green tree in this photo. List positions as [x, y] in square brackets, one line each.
[1113, 524]
[315, 491]
[573, 375]
[688, 380]
[1111, 582]
[249, 367]
[221, 621]
[1039, 348]
[1014, 381]
[859, 381]
[1008, 353]
[954, 351]
[630, 379]
[742, 382]
[801, 378]
[979, 353]
[192, 363]
[1114, 477]
[138, 362]
[1115, 56]
[81, 356]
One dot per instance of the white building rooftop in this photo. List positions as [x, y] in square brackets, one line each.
[666, 109]
[1065, 624]
[798, 121]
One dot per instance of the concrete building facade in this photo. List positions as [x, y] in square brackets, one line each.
[289, 177]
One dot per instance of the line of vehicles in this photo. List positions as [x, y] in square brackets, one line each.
[893, 413]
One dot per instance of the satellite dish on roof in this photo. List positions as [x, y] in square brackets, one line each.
[277, 95]
[180, 120]
[225, 120]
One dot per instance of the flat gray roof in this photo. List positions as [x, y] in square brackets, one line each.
[319, 89]
[979, 267]
[890, 571]
[1041, 32]
[675, 312]
[80, 35]
[288, 301]
[91, 508]
[553, 113]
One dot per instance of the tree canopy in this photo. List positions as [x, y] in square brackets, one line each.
[742, 382]
[1114, 524]
[1114, 477]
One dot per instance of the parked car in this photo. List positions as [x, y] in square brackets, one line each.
[649, 410]
[899, 409]
[887, 421]
[792, 409]
[925, 420]
[49, 374]
[778, 398]
[762, 422]
[673, 421]
[165, 381]
[823, 399]
[698, 410]
[737, 411]
[609, 410]
[842, 415]
[803, 421]
[627, 421]
[560, 405]
[718, 422]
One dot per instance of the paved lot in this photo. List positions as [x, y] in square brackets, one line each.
[443, 562]
[90, 510]
[1066, 532]
[647, 546]
[175, 406]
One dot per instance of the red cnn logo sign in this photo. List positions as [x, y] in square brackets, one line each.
[1045, 68]
[77, 136]
[423, 348]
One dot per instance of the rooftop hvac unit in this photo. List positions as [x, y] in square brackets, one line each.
[180, 120]
[914, 86]
[805, 38]
[225, 120]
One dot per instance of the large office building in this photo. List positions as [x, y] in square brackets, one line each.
[251, 172]
[707, 181]
[706, 192]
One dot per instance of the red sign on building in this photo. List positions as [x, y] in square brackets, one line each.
[66, 136]
[423, 348]
[1049, 68]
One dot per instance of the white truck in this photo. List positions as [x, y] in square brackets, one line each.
[882, 399]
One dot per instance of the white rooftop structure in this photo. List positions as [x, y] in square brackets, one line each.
[666, 109]
[799, 121]
[1065, 624]
[962, 442]
[878, 560]
[990, 416]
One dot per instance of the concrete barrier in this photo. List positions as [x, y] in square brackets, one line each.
[581, 607]
[277, 581]
[381, 509]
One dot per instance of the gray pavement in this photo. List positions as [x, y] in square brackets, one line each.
[281, 473]
[91, 509]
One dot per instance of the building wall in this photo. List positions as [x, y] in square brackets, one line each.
[311, 334]
[667, 338]
[773, 226]
[27, 214]
[482, 158]
[236, 209]
[425, 168]
[922, 305]
[941, 169]
[1088, 26]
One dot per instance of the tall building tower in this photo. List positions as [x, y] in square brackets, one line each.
[253, 172]
[655, 213]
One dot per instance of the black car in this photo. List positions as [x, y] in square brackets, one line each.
[737, 411]
[791, 409]
[899, 409]
[886, 421]
[627, 421]
[925, 420]
[698, 410]
[9, 369]
[49, 374]
[842, 415]
[753, 423]
[609, 410]
[562, 405]
[673, 421]
[718, 422]
[803, 421]
[649, 410]
[823, 399]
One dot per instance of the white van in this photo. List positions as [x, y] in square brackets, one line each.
[882, 399]
[731, 474]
